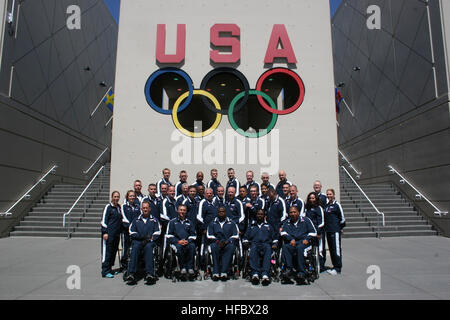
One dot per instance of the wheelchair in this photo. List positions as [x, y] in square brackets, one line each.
[140, 272]
[274, 272]
[311, 264]
[233, 272]
[172, 269]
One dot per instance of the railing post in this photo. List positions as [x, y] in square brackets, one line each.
[78, 199]
[68, 230]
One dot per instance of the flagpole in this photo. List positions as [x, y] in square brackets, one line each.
[101, 100]
[348, 107]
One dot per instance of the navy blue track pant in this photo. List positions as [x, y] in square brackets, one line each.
[258, 251]
[299, 251]
[334, 245]
[147, 250]
[222, 257]
[109, 251]
[185, 255]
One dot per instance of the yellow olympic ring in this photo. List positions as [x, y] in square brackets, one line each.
[196, 134]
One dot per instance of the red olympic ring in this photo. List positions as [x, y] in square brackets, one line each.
[300, 84]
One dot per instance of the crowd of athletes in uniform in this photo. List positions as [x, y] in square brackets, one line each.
[194, 218]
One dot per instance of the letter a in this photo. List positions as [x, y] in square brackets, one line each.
[161, 55]
[374, 21]
[279, 35]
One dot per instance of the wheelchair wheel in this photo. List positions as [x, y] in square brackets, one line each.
[245, 266]
[235, 266]
[167, 269]
[125, 275]
[197, 269]
[316, 263]
[159, 266]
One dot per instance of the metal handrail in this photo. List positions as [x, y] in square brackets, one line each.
[26, 194]
[76, 202]
[419, 194]
[358, 174]
[96, 160]
[371, 203]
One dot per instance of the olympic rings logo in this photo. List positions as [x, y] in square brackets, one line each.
[182, 97]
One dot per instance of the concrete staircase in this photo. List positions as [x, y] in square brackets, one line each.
[401, 218]
[45, 219]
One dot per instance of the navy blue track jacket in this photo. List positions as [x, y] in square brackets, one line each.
[223, 231]
[276, 212]
[217, 202]
[317, 217]
[334, 217]
[269, 185]
[141, 230]
[192, 209]
[303, 229]
[155, 204]
[257, 204]
[129, 213]
[179, 200]
[213, 184]
[158, 185]
[248, 185]
[207, 212]
[169, 210]
[232, 183]
[178, 188]
[260, 233]
[181, 230]
[322, 199]
[279, 187]
[111, 220]
[235, 210]
[198, 183]
[297, 202]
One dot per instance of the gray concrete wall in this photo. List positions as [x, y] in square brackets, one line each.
[45, 109]
[143, 140]
[399, 97]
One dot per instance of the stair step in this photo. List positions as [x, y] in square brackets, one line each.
[359, 235]
[59, 228]
[85, 235]
[407, 227]
[41, 223]
[408, 233]
[37, 234]
[50, 219]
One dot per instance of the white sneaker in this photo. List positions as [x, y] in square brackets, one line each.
[332, 272]
[265, 277]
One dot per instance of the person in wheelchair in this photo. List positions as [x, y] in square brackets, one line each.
[314, 211]
[144, 232]
[223, 235]
[261, 239]
[181, 236]
[297, 233]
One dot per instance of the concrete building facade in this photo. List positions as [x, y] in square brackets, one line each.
[241, 38]
[52, 78]
[395, 82]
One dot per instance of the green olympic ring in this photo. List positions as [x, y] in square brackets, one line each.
[252, 134]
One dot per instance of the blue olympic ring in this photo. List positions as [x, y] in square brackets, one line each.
[159, 72]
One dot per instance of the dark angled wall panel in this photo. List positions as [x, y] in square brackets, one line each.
[400, 102]
[46, 109]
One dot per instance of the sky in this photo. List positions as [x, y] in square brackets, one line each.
[114, 7]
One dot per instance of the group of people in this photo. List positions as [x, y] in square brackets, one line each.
[261, 217]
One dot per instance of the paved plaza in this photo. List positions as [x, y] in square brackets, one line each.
[411, 268]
